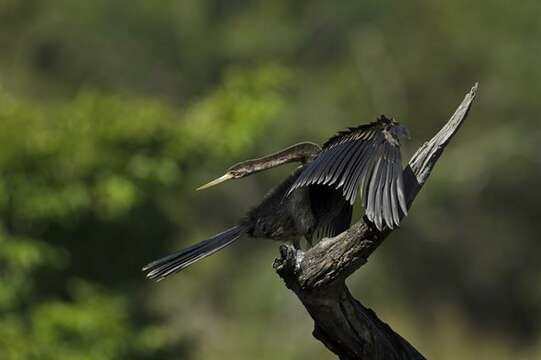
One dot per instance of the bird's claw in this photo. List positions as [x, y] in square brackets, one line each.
[287, 258]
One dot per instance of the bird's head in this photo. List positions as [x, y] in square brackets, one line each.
[236, 171]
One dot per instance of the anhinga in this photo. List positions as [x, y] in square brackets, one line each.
[316, 201]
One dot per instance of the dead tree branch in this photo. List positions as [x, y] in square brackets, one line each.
[318, 275]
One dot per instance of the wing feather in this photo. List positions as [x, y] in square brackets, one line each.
[352, 166]
[307, 175]
[386, 193]
[361, 170]
[397, 172]
[366, 161]
[342, 160]
[367, 172]
[371, 209]
[353, 170]
[348, 159]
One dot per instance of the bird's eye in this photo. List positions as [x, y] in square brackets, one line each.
[236, 173]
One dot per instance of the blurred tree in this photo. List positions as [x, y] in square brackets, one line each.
[81, 189]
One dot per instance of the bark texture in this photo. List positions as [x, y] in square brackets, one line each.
[317, 276]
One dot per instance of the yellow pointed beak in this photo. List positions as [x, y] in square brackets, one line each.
[221, 179]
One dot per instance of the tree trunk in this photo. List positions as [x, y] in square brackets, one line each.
[317, 276]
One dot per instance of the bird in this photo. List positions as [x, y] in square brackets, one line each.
[316, 200]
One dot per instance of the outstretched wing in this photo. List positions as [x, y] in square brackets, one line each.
[365, 159]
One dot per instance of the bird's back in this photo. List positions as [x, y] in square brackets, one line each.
[280, 216]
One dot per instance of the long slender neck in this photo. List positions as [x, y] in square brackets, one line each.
[297, 153]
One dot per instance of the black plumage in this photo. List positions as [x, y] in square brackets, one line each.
[316, 201]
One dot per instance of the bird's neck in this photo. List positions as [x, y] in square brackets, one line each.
[300, 152]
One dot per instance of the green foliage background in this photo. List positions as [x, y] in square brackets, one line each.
[112, 112]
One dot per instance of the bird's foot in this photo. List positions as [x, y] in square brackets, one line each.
[287, 264]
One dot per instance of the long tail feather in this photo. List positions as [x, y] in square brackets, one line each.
[161, 268]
